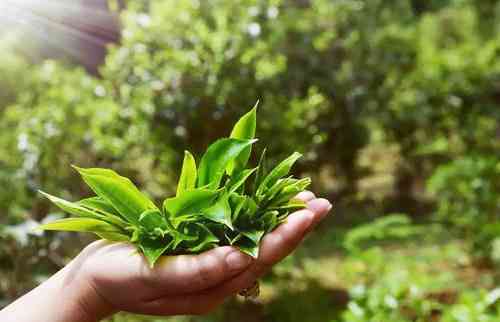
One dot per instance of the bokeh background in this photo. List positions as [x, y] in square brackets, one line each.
[395, 105]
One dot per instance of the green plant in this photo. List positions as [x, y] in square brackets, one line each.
[215, 203]
[395, 226]
[469, 199]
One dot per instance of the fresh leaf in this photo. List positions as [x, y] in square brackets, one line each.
[98, 204]
[186, 232]
[89, 225]
[269, 220]
[278, 172]
[187, 180]
[292, 205]
[114, 237]
[175, 222]
[238, 202]
[261, 170]
[118, 191]
[81, 211]
[245, 215]
[153, 219]
[254, 235]
[275, 189]
[243, 129]
[101, 206]
[216, 159]
[247, 246]
[220, 212]
[290, 191]
[239, 179]
[204, 241]
[192, 201]
[153, 248]
[210, 209]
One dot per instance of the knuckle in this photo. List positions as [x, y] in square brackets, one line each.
[147, 277]
[206, 269]
[273, 243]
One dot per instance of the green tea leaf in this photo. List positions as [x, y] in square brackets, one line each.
[220, 212]
[216, 159]
[153, 219]
[245, 215]
[118, 191]
[238, 205]
[89, 225]
[276, 188]
[278, 172]
[153, 248]
[187, 180]
[186, 233]
[204, 241]
[239, 179]
[261, 170]
[210, 208]
[247, 246]
[175, 222]
[254, 235]
[114, 237]
[243, 129]
[98, 204]
[101, 206]
[290, 191]
[80, 211]
[269, 220]
[190, 202]
[292, 205]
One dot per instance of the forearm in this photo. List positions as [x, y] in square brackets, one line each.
[65, 297]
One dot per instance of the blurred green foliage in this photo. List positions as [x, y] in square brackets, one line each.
[388, 228]
[470, 187]
[395, 105]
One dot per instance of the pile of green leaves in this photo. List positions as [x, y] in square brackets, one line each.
[220, 202]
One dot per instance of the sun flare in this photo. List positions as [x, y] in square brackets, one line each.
[77, 30]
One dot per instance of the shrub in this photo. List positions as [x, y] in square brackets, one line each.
[467, 193]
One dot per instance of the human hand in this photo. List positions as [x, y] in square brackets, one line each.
[119, 279]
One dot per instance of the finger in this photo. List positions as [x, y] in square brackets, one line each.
[320, 207]
[197, 304]
[278, 244]
[275, 246]
[193, 273]
[306, 196]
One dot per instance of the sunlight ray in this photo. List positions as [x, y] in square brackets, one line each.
[73, 29]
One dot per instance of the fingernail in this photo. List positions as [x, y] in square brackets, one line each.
[319, 206]
[237, 261]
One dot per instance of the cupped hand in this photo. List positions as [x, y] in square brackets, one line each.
[121, 280]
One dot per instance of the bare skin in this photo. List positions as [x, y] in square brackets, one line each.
[106, 278]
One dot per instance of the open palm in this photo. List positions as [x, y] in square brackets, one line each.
[186, 284]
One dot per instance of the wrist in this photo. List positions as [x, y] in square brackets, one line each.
[83, 295]
[68, 296]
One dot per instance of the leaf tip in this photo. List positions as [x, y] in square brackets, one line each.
[46, 195]
[255, 107]
[78, 169]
